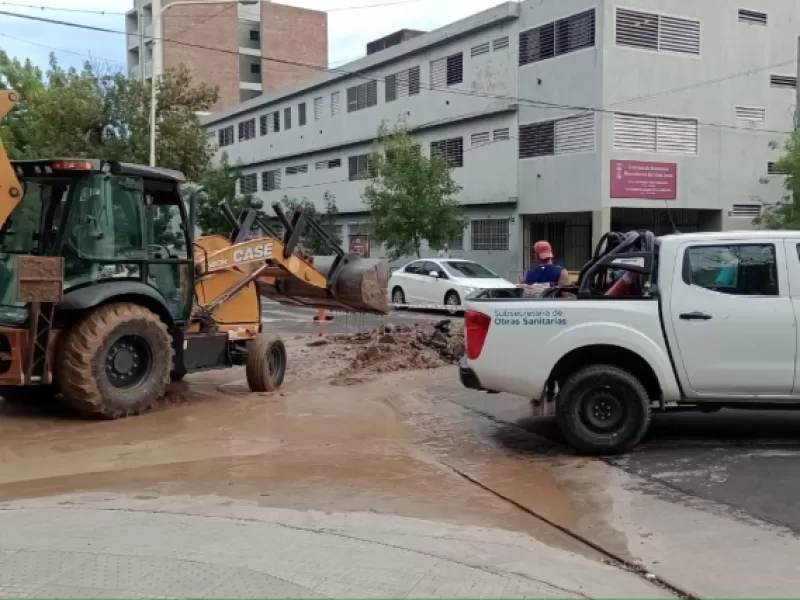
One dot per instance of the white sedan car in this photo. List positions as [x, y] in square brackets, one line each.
[441, 281]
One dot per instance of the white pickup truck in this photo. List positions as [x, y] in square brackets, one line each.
[700, 320]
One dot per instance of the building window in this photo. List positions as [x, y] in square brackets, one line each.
[500, 44]
[226, 136]
[360, 167]
[479, 139]
[255, 68]
[247, 130]
[255, 35]
[662, 135]
[745, 211]
[562, 136]
[297, 169]
[773, 169]
[248, 184]
[287, 118]
[271, 180]
[490, 234]
[335, 101]
[752, 16]
[783, 81]
[318, 108]
[447, 71]
[402, 84]
[499, 135]
[457, 241]
[452, 151]
[270, 123]
[362, 96]
[301, 114]
[333, 163]
[557, 38]
[750, 113]
[650, 31]
[479, 49]
[735, 269]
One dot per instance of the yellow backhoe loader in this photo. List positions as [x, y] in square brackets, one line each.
[106, 295]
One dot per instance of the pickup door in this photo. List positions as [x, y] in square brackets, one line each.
[730, 319]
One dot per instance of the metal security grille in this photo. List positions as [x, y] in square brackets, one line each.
[247, 130]
[751, 113]
[333, 163]
[457, 241]
[271, 180]
[335, 101]
[480, 49]
[651, 31]
[359, 167]
[566, 35]
[752, 16]
[226, 136]
[452, 151]
[783, 81]
[301, 114]
[362, 96]
[500, 43]
[297, 169]
[646, 133]
[248, 184]
[318, 108]
[287, 118]
[750, 211]
[270, 123]
[490, 234]
[478, 139]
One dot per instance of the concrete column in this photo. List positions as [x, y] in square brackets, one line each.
[601, 224]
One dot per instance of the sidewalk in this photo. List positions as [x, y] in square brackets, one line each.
[104, 546]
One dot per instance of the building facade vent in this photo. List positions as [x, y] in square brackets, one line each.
[752, 16]
[783, 81]
[751, 113]
[651, 31]
[742, 211]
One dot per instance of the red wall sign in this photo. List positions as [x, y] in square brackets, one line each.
[645, 180]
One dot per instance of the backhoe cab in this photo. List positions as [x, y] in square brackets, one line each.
[105, 295]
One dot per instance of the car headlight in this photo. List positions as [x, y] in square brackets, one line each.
[468, 290]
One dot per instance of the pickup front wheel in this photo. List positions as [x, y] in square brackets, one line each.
[602, 409]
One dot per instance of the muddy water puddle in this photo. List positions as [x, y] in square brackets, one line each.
[384, 446]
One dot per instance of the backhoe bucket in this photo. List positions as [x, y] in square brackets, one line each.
[355, 284]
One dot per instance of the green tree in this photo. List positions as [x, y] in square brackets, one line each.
[411, 197]
[67, 112]
[786, 213]
[220, 184]
[312, 241]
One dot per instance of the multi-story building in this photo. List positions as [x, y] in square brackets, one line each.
[562, 119]
[245, 49]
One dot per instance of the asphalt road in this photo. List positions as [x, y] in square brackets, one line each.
[742, 460]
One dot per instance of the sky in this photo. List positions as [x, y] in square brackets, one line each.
[351, 24]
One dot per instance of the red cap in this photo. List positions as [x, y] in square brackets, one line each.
[543, 250]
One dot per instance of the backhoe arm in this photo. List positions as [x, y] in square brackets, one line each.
[10, 188]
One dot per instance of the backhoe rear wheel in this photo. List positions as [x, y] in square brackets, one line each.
[115, 362]
[266, 363]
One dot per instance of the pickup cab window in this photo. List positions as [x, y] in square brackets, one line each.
[736, 269]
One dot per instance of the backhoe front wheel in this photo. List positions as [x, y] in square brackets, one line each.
[115, 362]
[266, 363]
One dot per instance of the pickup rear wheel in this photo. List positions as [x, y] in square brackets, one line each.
[602, 409]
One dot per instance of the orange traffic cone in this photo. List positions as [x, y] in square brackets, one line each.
[323, 318]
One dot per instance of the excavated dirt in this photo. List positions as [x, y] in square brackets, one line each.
[397, 348]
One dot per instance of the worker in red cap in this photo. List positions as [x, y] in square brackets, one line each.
[545, 272]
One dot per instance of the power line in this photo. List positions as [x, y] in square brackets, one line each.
[529, 102]
[81, 54]
[88, 11]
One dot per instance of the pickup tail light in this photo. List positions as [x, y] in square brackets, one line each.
[476, 326]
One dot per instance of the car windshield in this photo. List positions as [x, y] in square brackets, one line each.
[38, 211]
[465, 268]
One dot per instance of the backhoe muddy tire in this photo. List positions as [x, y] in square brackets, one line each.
[175, 376]
[116, 362]
[602, 409]
[266, 363]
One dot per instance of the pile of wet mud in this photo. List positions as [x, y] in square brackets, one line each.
[398, 348]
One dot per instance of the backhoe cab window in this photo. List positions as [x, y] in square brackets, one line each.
[106, 222]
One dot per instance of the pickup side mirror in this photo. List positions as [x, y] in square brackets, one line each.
[434, 274]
